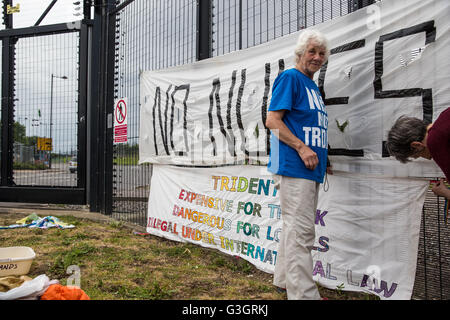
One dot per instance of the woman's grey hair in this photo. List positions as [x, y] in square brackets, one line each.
[307, 36]
[405, 131]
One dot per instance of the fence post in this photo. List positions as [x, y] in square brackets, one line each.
[93, 112]
[203, 29]
[101, 106]
[87, 9]
[109, 104]
[7, 113]
[7, 18]
[84, 74]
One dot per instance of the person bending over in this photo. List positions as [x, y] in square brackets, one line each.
[414, 138]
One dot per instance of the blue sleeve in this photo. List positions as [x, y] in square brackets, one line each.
[283, 92]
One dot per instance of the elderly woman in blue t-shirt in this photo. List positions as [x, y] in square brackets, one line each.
[298, 121]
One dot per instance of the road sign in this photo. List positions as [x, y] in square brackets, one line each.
[44, 144]
[120, 121]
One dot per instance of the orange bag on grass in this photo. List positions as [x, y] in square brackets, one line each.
[60, 292]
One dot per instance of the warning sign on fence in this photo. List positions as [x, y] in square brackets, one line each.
[120, 121]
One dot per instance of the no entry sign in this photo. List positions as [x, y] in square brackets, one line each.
[120, 121]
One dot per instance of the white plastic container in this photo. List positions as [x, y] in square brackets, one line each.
[15, 260]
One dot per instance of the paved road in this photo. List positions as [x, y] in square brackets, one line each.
[129, 180]
[58, 176]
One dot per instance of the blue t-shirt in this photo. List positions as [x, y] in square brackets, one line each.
[307, 119]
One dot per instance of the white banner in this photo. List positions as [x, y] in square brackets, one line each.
[367, 230]
[388, 59]
[233, 209]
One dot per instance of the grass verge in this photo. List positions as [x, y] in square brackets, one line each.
[116, 264]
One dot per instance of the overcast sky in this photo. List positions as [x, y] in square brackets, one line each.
[31, 10]
[36, 59]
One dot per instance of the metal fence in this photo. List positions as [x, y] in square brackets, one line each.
[433, 261]
[46, 108]
[238, 24]
[151, 35]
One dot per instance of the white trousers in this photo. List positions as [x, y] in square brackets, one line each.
[294, 266]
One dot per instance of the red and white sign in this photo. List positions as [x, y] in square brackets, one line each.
[120, 121]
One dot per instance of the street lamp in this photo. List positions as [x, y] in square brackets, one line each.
[51, 115]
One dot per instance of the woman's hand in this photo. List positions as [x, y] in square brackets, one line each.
[440, 189]
[308, 157]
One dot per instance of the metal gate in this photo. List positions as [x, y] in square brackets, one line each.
[43, 113]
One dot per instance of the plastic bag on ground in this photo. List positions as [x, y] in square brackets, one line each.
[29, 290]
